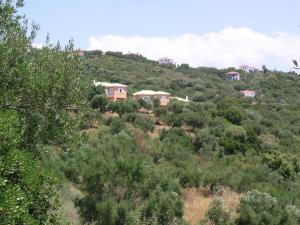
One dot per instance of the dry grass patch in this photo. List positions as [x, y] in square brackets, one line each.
[157, 129]
[197, 202]
[67, 196]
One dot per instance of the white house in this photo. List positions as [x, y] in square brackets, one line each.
[164, 97]
[249, 93]
[114, 91]
[166, 61]
[233, 75]
[249, 69]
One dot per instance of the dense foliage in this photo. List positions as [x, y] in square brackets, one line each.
[246, 144]
[37, 90]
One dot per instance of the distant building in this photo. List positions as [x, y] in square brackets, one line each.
[166, 61]
[249, 69]
[148, 95]
[233, 75]
[249, 93]
[186, 99]
[114, 91]
[77, 52]
[133, 54]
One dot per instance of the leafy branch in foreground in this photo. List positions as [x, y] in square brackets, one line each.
[37, 86]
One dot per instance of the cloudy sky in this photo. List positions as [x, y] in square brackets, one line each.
[199, 32]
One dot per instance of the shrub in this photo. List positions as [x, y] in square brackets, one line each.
[258, 208]
[233, 115]
[144, 124]
[216, 214]
[196, 120]
[236, 132]
[175, 107]
[128, 106]
[164, 205]
[287, 165]
[116, 125]
[173, 120]
[199, 98]
[99, 102]
[145, 103]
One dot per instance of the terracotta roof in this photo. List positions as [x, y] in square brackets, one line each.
[232, 73]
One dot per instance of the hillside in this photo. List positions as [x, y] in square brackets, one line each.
[139, 168]
[74, 152]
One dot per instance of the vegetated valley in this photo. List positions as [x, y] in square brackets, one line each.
[69, 155]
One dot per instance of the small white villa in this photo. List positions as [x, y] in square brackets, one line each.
[249, 93]
[114, 91]
[166, 61]
[164, 97]
[249, 69]
[233, 75]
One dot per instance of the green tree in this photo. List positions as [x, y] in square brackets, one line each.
[38, 89]
[234, 115]
[264, 69]
[196, 120]
[258, 208]
[216, 214]
[99, 102]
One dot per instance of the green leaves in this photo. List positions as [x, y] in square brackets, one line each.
[286, 164]
[258, 208]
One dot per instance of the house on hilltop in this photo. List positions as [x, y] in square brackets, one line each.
[249, 93]
[149, 95]
[166, 61]
[114, 91]
[233, 75]
[249, 69]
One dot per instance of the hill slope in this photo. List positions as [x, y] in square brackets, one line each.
[130, 174]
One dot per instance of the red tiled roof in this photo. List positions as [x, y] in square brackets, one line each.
[232, 73]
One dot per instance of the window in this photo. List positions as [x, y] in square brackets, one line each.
[120, 90]
[110, 92]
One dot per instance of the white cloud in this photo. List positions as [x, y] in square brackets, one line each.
[229, 47]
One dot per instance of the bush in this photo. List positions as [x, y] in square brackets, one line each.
[199, 98]
[144, 124]
[128, 106]
[116, 125]
[216, 214]
[164, 205]
[175, 107]
[233, 115]
[287, 165]
[258, 208]
[145, 103]
[173, 120]
[196, 120]
[99, 102]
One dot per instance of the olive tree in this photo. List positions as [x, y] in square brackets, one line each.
[40, 89]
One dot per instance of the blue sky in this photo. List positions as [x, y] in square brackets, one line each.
[83, 20]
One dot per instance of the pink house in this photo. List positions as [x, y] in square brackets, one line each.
[148, 95]
[114, 91]
[249, 93]
[233, 75]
